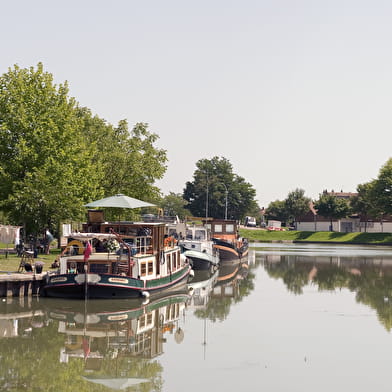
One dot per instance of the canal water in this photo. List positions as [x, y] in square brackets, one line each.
[289, 318]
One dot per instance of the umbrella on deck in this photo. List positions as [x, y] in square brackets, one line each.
[119, 201]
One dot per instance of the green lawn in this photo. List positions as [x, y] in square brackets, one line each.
[319, 236]
[10, 262]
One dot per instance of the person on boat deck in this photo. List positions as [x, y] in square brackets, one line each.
[72, 268]
[71, 250]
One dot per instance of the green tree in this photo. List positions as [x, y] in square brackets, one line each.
[277, 210]
[364, 202]
[173, 204]
[332, 207]
[131, 163]
[46, 173]
[382, 190]
[297, 204]
[215, 189]
[56, 156]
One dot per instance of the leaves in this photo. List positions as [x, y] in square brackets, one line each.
[215, 187]
[56, 156]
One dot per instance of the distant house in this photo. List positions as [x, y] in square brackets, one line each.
[311, 221]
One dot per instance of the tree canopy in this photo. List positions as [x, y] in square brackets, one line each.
[374, 198]
[297, 204]
[332, 207]
[218, 192]
[56, 156]
[174, 205]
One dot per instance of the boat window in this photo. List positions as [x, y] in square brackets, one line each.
[99, 268]
[200, 235]
[175, 261]
[229, 228]
[146, 268]
[150, 266]
[189, 235]
[169, 262]
[218, 229]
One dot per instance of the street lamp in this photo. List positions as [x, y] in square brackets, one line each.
[206, 172]
[225, 200]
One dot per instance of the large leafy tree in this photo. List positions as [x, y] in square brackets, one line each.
[45, 169]
[297, 204]
[277, 210]
[174, 204]
[218, 192]
[332, 207]
[364, 202]
[130, 161]
[382, 189]
[55, 156]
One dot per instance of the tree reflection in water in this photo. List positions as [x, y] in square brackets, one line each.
[369, 277]
[52, 345]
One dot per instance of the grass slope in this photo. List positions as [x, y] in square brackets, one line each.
[319, 236]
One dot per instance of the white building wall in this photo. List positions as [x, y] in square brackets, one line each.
[372, 227]
[316, 226]
[376, 227]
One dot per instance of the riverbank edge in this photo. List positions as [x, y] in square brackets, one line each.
[321, 242]
[335, 238]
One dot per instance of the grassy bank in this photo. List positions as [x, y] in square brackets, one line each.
[319, 236]
[10, 262]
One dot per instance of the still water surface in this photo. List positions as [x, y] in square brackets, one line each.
[290, 318]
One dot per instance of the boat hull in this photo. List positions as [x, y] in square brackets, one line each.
[229, 252]
[105, 286]
[97, 311]
[201, 260]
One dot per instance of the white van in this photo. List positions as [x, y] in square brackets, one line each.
[250, 221]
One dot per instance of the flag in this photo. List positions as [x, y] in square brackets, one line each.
[86, 347]
[87, 251]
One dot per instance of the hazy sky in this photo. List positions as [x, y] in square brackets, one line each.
[295, 94]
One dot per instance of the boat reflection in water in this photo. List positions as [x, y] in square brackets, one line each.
[119, 336]
[230, 275]
[201, 287]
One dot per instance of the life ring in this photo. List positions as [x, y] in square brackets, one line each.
[76, 244]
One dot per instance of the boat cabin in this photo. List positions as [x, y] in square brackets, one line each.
[141, 249]
[223, 229]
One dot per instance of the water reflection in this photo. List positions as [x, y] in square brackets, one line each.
[103, 343]
[48, 344]
[94, 343]
[365, 270]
